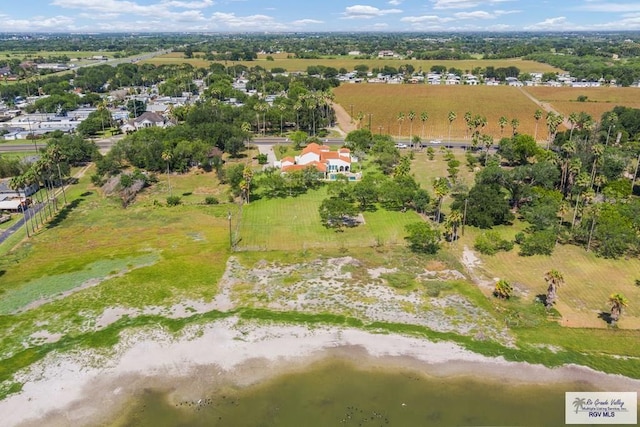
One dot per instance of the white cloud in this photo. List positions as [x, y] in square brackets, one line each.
[37, 23]
[505, 12]
[598, 6]
[247, 23]
[477, 14]
[550, 24]
[500, 27]
[395, 2]
[307, 22]
[203, 4]
[630, 21]
[366, 12]
[426, 19]
[463, 4]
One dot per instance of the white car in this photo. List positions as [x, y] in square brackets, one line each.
[435, 141]
[400, 145]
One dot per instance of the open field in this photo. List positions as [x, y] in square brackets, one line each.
[589, 281]
[294, 224]
[71, 54]
[100, 273]
[600, 99]
[281, 61]
[384, 102]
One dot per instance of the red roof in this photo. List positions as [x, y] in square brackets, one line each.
[321, 167]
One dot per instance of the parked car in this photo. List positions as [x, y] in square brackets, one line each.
[400, 145]
[435, 141]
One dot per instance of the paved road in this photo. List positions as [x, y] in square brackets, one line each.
[28, 214]
[104, 144]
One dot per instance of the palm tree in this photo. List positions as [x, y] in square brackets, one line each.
[573, 120]
[537, 115]
[502, 289]
[400, 119]
[282, 108]
[424, 116]
[359, 119]
[55, 154]
[30, 180]
[617, 301]
[245, 184]
[579, 402]
[554, 279]
[452, 222]
[582, 183]
[467, 120]
[568, 149]
[514, 125]
[451, 117]
[411, 116]
[487, 141]
[41, 171]
[440, 189]
[597, 151]
[502, 122]
[297, 106]
[18, 183]
[553, 121]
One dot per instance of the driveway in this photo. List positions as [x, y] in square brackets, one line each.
[268, 150]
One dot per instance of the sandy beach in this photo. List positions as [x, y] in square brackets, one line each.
[87, 389]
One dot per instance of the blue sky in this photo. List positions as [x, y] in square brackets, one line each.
[317, 15]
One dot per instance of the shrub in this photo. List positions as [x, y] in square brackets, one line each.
[173, 200]
[262, 159]
[490, 242]
[97, 180]
[210, 200]
[538, 243]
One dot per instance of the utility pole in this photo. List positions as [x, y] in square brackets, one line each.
[464, 215]
[230, 235]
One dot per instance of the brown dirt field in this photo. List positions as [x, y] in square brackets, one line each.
[599, 100]
[293, 64]
[384, 102]
[343, 119]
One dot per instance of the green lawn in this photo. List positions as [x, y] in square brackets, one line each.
[294, 224]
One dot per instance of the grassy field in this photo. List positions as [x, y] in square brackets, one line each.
[96, 255]
[599, 99]
[294, 224]
[292, 64]
[385, 102]
[71, 54]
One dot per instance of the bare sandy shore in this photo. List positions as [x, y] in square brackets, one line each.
[88, 389]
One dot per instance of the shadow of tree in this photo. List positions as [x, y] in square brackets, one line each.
[542, 298]
[606, 316]
[64, 213]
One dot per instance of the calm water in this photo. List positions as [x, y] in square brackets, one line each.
[338, 394]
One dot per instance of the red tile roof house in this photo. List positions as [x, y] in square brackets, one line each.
[329, 163]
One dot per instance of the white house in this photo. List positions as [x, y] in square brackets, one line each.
[327, 162]
[145, 120]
